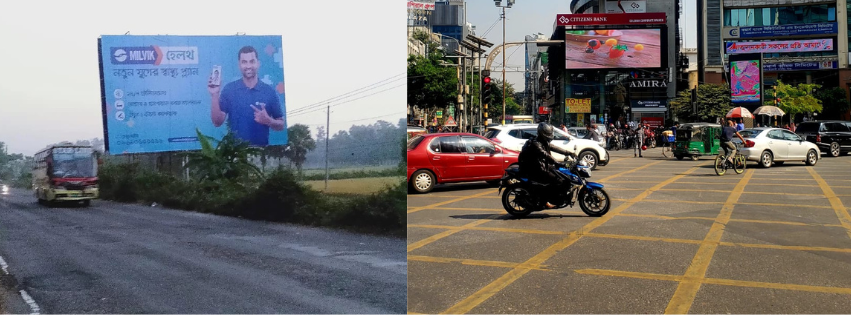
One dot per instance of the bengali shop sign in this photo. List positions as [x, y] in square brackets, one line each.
[781, 30]
[803, 65]
[803, 45]
[611, 19]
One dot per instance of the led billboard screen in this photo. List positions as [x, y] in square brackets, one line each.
[800, 45]
[746, 79]
[613, 49]
[157, 90]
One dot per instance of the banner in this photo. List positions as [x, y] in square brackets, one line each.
[626, 6]
[781, 30]
[803, 65]
[648, 105]
[801, 45]
[421, 5]
[745, 81]
[611, 19]
[158, 89]
[577, 105]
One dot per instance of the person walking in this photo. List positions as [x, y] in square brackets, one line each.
[639, 140]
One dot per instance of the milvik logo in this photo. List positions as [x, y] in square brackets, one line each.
[151, 55]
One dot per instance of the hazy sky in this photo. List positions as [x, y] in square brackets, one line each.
[528, 17]
[50, 89]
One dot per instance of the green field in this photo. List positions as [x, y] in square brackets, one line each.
[348, 169]
[355, 185]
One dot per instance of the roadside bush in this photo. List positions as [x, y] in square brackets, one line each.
[382, 212]
[354, 174]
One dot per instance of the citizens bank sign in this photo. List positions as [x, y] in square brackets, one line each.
[648, 84]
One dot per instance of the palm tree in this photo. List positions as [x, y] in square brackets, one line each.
[229, 159]
[300, 142]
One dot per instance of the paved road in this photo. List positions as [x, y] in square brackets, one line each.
[121, 258]
[678, 239]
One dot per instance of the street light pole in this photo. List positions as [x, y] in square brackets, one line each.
[508, 5]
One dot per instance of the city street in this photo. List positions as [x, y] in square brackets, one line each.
[678, 239]
[128, 258]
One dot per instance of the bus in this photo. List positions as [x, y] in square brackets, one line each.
[519, 119]
[63, 173]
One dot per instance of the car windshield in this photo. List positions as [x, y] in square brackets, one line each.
[414, 142]
[751, 133]
[491, 133]
[73, 165]
[808, 127]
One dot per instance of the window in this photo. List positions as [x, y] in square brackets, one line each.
[529, 133]
[414, 142]
[446, 145]
[560, 135]
[750, 133]
[788, 135]
[836, 127]
[775, 134]
[492, 133]
[478, 145]
[516, 133]
[801, 14]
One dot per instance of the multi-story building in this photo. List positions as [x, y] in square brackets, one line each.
[802, 41]
[629, 73]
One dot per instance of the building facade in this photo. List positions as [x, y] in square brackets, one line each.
[582, 86]
[802, 41]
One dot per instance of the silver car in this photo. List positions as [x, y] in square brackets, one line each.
[769, 146]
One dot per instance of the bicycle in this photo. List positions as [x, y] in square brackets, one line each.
[738, 165]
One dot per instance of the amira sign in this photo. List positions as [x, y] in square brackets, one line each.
[648, 84]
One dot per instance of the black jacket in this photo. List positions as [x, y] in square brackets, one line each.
[535, 157]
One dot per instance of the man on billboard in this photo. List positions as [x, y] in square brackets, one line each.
[250, 106]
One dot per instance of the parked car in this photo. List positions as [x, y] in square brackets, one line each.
[831, 136]
[513, 137]
[581, 133]
[777, 145]
[438, 158]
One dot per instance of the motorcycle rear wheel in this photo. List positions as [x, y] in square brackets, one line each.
[595, 202]
[516, 201]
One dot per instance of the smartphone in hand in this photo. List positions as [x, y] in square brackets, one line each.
[216, 76]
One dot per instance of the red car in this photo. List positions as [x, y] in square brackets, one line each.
[438, 158]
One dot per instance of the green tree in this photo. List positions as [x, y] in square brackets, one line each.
[834, 102]
[713, 101]
[798, 99]
[300, 143]
[511, 105]
[228, 159]
[432, 81]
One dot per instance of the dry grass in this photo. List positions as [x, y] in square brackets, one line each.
[355, 185]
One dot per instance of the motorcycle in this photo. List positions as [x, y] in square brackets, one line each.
[523, 196]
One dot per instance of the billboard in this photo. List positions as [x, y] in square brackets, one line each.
[611, 19]
[626, 6]
[746, 79]
[800, 45]
[577, 105]
[781, 30]
[613, 49]
[156, 90]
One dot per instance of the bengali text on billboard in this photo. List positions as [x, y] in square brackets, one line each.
[158, 89]
[745, 81]
[613, 49]
[801, 45]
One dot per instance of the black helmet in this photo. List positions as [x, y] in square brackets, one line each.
[545, 132]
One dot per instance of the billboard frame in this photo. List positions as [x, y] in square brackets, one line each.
[747, 57]
[103, 99]
[663, 44]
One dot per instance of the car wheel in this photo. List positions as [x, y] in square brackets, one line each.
[422, 181]
[695, 158]
[834, 149]
[812, 158]
[766, 159]
[590, 158]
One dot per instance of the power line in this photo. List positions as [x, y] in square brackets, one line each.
[348, 94]
[348, 101]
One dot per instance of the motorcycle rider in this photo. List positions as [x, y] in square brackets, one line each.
[538, 164]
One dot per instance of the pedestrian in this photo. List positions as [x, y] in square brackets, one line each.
[786, 126]
[639, 140]
[667, 141]
[563, 128]
[793, 126]
[740, 126]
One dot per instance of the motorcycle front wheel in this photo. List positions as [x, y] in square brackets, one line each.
[517, 201]
[594, 202]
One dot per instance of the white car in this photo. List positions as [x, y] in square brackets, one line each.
[513, 137]
[776, 145]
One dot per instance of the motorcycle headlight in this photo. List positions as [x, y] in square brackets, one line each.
[583, 163]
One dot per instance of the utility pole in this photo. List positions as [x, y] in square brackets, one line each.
[503, 67]
[327, 132]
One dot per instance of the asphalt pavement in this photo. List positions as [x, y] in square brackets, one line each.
[678, 239]
[129, 258]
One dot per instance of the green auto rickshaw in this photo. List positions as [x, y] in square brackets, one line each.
[694, 140]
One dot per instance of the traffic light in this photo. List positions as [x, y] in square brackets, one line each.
[487, 94]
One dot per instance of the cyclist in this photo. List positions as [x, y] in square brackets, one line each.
[727, 134]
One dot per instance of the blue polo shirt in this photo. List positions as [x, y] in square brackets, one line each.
[236, 100]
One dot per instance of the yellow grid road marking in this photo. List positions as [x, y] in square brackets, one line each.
[471, 262]
[840, 210]
[630, 171]
[686, 291]
[433, 238]
[502, 282]
[451, 201]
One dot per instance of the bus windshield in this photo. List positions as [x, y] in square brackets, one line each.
[73, 165]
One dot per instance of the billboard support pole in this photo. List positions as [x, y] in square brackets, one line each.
[327, 131]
